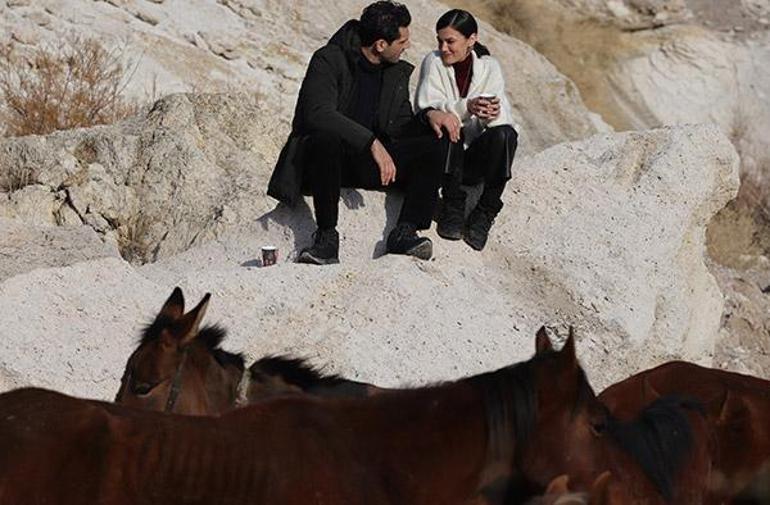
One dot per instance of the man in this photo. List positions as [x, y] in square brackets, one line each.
[354, 127]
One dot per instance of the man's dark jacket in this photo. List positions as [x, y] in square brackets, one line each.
[324, 98]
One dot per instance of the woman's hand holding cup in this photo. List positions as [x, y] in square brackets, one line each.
[485, 106]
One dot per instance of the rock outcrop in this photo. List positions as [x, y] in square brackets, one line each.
[644, 64]
[606, 234]
[263, 47]
[602, 231]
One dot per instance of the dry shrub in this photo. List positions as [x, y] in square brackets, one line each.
[78, 84]
[15, 179]
[134, 239]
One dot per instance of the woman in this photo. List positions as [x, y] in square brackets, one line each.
[463, 88]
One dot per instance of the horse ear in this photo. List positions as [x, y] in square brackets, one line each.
[542, 342]
[649, 393]
[567, 352]
[729, 407]
[174, 306]
[559, 485]
[188, 326]
[599, 494]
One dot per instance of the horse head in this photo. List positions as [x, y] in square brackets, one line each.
[570, 419]
[179, 367]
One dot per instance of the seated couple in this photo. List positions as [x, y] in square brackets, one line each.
[354, 126]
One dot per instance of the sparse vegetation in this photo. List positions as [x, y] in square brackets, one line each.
[15, 179]
[79, 84]
[134, 239]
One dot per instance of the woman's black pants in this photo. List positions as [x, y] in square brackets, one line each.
[488, 159]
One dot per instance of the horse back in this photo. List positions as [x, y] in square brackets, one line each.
[664, 455]
[49, 438]
[709, 385]
[737, 410]
[69, 451]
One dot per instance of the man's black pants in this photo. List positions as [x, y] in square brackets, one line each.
[331, 164]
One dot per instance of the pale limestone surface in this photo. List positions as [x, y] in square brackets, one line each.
[649, 63]
[605, 234]
[263, 46]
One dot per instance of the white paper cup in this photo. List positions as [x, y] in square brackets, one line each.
[269, 255]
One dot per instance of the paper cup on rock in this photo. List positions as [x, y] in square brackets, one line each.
[269, 255]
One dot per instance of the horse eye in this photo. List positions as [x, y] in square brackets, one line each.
[142, 388]
[598, 428]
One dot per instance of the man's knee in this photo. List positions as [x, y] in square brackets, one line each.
[443, 152]
[322, 158]
[324, 144]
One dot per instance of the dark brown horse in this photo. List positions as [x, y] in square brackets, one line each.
[445, 444]
[660, 454]
[279, 375]
[738, 411]
[558, 492]
[179, 367]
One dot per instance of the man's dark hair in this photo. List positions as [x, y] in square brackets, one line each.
[382, 20]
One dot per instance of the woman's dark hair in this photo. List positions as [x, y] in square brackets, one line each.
[465, 23]
[382, 20]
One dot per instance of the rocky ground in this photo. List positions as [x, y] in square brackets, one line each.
[602, 234]
[601, 230]
[741, 18]
[644, 63]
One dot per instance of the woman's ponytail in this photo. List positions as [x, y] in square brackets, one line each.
[481, 50]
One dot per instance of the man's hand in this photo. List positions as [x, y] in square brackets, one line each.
[384, 162]
[484, 108]
[439, 119]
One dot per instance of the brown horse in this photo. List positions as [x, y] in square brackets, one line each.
[656, 451]
[558, 493]
[443, 444]
[179, 367]
[658, 455]
[738, 411]
[279, 375]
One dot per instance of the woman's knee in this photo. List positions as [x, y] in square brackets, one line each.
[504, 135]
[499, 152]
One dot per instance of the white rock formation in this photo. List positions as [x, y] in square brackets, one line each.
[25, 247]
[606, 234]
[645, 64]
[263, 46]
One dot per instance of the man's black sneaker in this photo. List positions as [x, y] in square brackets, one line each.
[451, 219]
[477, 229]
[325, 249]
[403, 239]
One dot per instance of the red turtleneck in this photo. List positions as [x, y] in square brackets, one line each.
[464, 74]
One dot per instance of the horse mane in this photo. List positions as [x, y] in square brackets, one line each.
[210, 336]
[296, 371]
[658, 439]
[510, 402]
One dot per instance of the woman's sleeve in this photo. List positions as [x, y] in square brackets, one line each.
[496, 85]
[432, 94]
